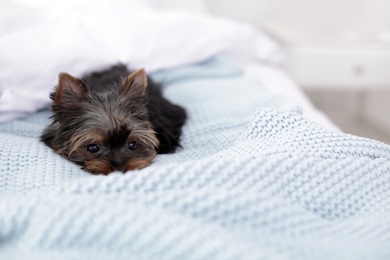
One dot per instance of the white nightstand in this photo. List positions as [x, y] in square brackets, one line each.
[336, 63]
[349, 79]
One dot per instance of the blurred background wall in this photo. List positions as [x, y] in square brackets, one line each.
[338, 52]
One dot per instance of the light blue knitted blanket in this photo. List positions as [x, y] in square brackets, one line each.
[254, 180]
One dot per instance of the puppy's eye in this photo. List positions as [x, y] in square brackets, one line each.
[93, 148]
[132, 145]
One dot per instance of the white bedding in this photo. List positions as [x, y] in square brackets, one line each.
[38, 42]
[254, 179]
[277, 80]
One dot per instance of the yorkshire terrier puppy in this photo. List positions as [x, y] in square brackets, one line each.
[112, 120]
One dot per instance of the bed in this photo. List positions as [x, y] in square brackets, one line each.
[261, 173]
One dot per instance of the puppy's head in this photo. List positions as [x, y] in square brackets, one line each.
[102, 132]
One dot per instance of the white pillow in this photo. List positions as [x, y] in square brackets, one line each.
[80, 39]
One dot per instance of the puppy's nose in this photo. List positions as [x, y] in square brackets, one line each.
[116, 166]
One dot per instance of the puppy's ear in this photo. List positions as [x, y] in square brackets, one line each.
[69, 92]
[135, 84]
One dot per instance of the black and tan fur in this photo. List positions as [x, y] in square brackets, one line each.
[112, 120]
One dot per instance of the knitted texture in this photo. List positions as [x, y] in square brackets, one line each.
[254, 179]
